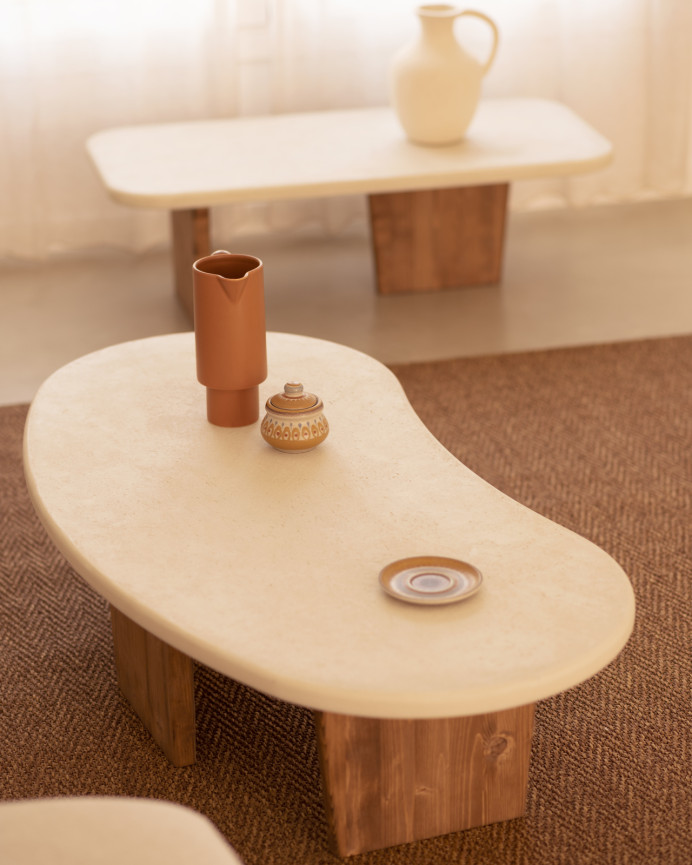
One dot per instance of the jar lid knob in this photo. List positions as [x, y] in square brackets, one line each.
[293, 387]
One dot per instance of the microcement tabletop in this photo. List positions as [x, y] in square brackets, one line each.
[265, 565]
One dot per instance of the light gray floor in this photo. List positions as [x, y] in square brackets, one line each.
[570, 278]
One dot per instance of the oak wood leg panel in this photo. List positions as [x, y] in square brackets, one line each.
[158, 681]
[190, 238]
[389, 782]
[438, 238]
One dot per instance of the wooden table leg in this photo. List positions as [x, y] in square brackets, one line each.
[438, 238]
[190, 238]
[389, 782]
[158, 681]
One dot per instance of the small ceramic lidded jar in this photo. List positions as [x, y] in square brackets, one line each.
[295, 421]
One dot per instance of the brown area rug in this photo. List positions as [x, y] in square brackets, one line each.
[598, 439]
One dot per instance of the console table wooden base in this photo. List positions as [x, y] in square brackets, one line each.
[385, 782]
[437, 213]
[438, 238]
[423, 240]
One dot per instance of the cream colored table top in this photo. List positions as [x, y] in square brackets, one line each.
[208, 162]
[265, 565]
[95, 830]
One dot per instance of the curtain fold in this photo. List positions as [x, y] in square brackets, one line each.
[73, 67]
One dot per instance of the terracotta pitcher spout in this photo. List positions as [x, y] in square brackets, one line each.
[230, 335]
[233, 288]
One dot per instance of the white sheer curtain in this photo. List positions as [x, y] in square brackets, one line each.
[71, 67]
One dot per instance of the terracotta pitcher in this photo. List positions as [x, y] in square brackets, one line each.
[230, 335]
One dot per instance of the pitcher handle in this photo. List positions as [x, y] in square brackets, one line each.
[496, 35]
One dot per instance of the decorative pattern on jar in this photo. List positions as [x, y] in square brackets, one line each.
[294, 422]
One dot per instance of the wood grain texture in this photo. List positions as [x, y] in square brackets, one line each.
[158, 682]
[190, 238]
[388, 782]
[438, 238]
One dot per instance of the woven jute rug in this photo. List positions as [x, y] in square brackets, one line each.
[598, 439]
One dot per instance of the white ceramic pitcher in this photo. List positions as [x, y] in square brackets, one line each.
[435, 84]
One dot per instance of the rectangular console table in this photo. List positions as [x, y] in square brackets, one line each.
[437, 213]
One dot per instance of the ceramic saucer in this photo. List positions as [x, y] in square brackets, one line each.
[430, 580]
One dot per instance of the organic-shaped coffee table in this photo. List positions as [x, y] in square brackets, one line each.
[211, 545]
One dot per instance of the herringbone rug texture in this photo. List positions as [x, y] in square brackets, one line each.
[598, 439]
